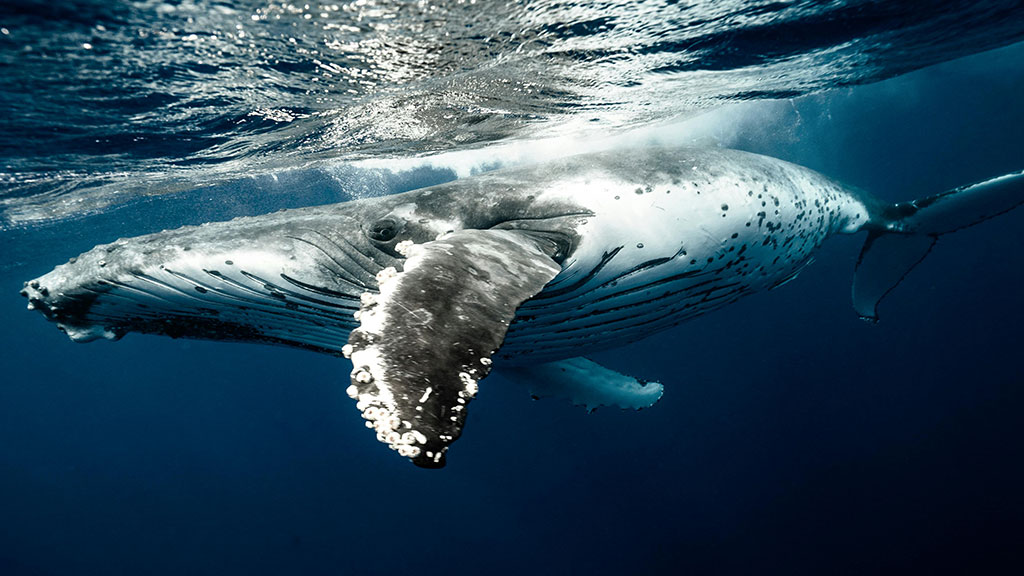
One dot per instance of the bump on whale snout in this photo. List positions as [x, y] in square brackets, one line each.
[70, 312]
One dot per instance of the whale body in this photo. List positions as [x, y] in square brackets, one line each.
[525, 270]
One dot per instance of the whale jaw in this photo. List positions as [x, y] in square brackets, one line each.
[206, 283]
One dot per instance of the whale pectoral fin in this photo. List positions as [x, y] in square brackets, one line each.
[588, 384]
[426, 340]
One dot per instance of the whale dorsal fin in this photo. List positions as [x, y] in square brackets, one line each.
[426, 340]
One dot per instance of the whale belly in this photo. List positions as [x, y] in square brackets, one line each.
[677, 245]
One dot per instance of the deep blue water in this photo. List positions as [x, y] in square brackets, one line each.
[792, 438]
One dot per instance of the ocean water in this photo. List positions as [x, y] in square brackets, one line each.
[792, 438]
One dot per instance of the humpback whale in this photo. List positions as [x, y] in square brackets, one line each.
[524, 270]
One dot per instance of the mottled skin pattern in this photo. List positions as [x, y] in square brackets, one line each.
[571, 256]
[674, 237]
[646, 230]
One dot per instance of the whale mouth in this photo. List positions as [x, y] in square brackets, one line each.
[294, 291]
[219, 305]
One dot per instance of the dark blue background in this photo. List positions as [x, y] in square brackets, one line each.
[792, 438]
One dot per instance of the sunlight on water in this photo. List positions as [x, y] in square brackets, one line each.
[110, 103]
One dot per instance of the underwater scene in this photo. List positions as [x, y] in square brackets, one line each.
[791, 436]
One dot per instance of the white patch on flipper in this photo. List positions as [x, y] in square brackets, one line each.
[587, 383]
[471, 384]
[386, 274]
[375, 396]
[404, 247]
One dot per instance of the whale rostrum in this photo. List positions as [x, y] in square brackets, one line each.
[523, 270]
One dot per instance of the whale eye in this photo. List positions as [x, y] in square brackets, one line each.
[384, 230]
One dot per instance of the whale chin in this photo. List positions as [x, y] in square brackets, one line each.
[229, 305]
[299, 290]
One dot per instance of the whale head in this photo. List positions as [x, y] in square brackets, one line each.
[290, 278]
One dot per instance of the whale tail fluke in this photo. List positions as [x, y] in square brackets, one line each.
[903, 234]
